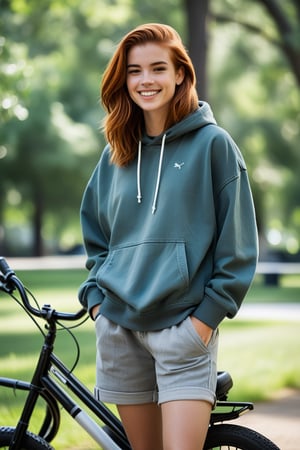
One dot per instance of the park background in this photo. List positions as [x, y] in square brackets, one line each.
[52, 56]
[53, 53]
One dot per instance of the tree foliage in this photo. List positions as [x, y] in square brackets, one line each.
[260, 82]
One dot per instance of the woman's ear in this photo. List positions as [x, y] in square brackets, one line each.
[180, 76]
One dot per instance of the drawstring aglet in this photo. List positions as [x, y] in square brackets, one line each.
[139, 198]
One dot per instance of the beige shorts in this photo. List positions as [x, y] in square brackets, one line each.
[154, 366]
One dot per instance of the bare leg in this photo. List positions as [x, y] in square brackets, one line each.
[185, 424]
[143, 425]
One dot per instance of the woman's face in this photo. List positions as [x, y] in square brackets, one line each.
[152, 79]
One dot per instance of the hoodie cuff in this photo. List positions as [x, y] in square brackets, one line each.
[210, 313]
[94, 297]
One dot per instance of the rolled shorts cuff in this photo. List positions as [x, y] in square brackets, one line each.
[125, 398]
[187, 394]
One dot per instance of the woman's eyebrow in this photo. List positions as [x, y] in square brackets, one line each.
[156, 63]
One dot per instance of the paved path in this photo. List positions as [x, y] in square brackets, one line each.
[270, 311]
[278, 420]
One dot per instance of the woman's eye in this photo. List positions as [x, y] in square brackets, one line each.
[133, 71]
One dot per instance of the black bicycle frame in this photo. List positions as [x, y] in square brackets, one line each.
[43, 384]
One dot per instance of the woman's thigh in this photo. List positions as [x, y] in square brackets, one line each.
[143, 425]
[185, 424]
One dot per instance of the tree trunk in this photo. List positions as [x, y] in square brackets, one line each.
[2, 236]
[38, 249]
[197, 16]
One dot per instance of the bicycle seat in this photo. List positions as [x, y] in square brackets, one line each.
[224, 384]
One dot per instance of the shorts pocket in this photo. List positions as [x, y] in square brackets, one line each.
[97, 323]
[97, 315]
[191, 330]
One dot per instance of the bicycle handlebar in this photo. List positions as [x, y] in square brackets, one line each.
[9, 282]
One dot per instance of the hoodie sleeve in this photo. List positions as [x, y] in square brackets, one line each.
[95, 241]
[236, 244]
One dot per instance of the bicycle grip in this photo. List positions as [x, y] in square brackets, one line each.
[4, 268]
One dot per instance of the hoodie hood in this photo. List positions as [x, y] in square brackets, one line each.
[198, 119]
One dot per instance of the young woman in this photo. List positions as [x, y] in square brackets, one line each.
[170, 234]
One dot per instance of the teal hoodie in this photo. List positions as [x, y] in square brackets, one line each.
[173, 233]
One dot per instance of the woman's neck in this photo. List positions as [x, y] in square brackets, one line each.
[154, 124]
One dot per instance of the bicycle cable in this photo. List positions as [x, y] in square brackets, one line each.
[75, 341]
[62, 327]
[27, 312]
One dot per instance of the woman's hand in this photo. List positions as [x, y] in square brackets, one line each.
[95, 311]
[204, 331]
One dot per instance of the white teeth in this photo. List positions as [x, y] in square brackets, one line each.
[148, 93]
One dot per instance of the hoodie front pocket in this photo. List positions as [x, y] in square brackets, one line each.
[145, 273]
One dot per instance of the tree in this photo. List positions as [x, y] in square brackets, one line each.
[288, 27]
[257, 82]
[285, 34]
[197, 18]
[55, 51]
[269, 137]
[47, 155]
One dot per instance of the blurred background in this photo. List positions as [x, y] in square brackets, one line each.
[52, 56]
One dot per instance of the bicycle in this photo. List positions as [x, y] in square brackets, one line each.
[57, 386]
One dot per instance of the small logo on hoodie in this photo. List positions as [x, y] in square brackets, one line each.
[178, 165]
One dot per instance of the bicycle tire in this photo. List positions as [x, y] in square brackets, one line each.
[31, 441]
[236, 437]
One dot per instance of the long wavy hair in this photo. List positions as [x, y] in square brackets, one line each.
[124, 121]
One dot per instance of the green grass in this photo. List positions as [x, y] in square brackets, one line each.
[262, 357]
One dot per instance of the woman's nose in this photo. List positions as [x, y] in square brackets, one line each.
[146, 78]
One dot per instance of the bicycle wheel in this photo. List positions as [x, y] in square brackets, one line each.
[236, 437]
[31, 442]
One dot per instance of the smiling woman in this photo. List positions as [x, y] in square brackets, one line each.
[162, 217]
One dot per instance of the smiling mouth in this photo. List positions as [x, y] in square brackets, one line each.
[148, 93]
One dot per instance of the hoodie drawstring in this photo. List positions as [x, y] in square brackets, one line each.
[158, 173]
[138, 173]
[158, 178]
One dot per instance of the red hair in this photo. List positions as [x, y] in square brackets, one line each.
[124, 120]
